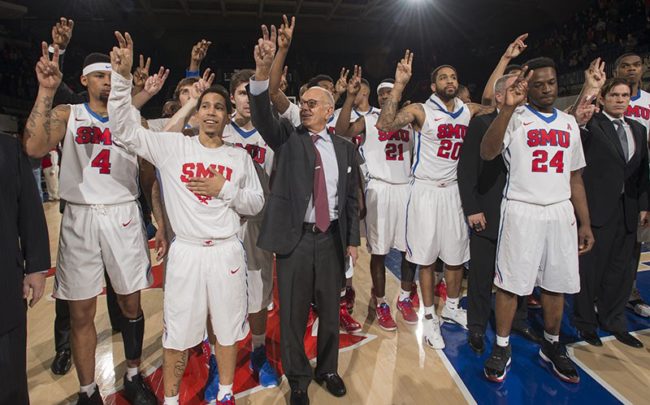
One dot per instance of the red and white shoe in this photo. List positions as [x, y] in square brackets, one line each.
[406, 308]
[349, 297]
[385, 319]
[346, 322]
[415, 298]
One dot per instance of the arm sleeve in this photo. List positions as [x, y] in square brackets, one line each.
[469, 167]
[126, 127]
[246, 197]
[192, 73]
[32, 228]
[274, 131]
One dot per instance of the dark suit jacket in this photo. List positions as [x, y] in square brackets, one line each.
[481, 182]
[24, 242]
[607, 173]
[293, 181]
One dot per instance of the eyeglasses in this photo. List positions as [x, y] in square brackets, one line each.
[310, 103]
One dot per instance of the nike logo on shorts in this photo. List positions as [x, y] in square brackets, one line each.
[127, 223]
[234, 271]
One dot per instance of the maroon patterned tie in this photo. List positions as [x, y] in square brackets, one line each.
[320, 191]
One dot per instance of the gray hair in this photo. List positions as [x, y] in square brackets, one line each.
[500, 84]
[329, 95]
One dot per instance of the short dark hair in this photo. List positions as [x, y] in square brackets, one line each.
[610, 84]
[540, 63]
[313, 82]
[365, 82]
[434, 73]
[219, 89]
[188, 81]
[239, 77]
[170, 107]
[510, 68]
[625, 55]
[96, 57]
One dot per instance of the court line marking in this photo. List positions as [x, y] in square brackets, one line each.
[592, 373]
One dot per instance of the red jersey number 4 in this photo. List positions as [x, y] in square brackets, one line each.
[103, 161]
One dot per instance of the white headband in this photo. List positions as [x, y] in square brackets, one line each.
[97, 67]
[385, 85]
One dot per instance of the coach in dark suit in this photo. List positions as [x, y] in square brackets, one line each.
[481, 186]
[25, 253]
[616, 182]
[311, 222]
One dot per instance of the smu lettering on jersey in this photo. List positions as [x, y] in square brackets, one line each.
[95, 169]
[540, 152]
[387, 155]
[437, 145]
[639, 109]
[252, 142]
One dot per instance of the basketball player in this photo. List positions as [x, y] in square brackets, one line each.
[101, 225]
[387, 157]
[537, 243]
[435, 223]
[240, 132]
[630, 67]
[208, 186]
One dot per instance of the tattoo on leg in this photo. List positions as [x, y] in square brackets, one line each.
[179, 369]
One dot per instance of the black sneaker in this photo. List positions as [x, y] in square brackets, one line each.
[137, 392]
[555, 355]
[496, 365]
[94, 399]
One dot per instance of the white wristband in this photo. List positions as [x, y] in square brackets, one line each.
[51, 50]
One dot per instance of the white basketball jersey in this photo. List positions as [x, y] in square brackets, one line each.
[540, 152]
[639, 109]
[252, 142]
[331, 123]
[437, 145]
[95, 169]
[387, 154]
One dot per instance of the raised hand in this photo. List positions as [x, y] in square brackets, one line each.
[156, 82]
[202, 85]
[285, 32]
[141, 73]
[404, 69]
[585, 110]
[342, 82]
[354, 84]
[47, 70]
[518, 91]
[516, 47]
[62, 33]
[264, 53]
[199, 51]
[122, 56]
[595, 76]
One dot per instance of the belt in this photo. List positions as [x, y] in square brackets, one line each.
[311, 227]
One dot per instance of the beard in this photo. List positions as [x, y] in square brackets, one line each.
[446, 95]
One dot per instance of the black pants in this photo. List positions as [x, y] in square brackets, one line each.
[13, 366]
[606, 277]
[479, 286]
[313, 272]
[62, 317]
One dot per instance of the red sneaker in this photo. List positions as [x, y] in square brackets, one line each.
[384, 317]
[346, 322]
[349, 298]
[415, 298]
[441, 290]
[409, 314]
[533, 302]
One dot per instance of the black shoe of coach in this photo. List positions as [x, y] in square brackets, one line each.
[627, 339]
[137, 392]
[476, 341]
[333, 383]
[299, 397]
[590, 337]
[62, 362]
[528, 333]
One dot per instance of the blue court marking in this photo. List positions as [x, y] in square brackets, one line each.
[528, 379]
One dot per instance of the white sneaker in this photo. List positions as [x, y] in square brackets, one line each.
[431, 333]
[457, 316]
[639, 307]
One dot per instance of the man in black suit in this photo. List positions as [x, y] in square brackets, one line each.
[616, 182]
[481, 186]
[25, 253]
[311, 222]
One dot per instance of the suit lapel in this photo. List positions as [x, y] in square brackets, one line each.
[611, 136]
[639, 142]
[308, 144]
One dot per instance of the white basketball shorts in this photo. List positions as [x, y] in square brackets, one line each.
[260, 268]
[386, 216]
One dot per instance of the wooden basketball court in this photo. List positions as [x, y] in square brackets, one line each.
[378, 367]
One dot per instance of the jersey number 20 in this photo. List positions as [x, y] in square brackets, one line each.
[103, 161]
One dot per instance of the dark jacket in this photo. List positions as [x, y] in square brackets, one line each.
[24, 242]
[607, 173]
[481, 182]
[293, 180]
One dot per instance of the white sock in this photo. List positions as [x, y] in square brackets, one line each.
[503, 341]
[430, 311]
[551, 338]
[452, 303]
[171, 400]
[343, 293]
[258, 340]
[213, 350]
[131, 372]
[404, 294]
[223, 391]
[88, 389]
[381, 300]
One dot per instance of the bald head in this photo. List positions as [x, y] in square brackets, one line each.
[316, 107]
